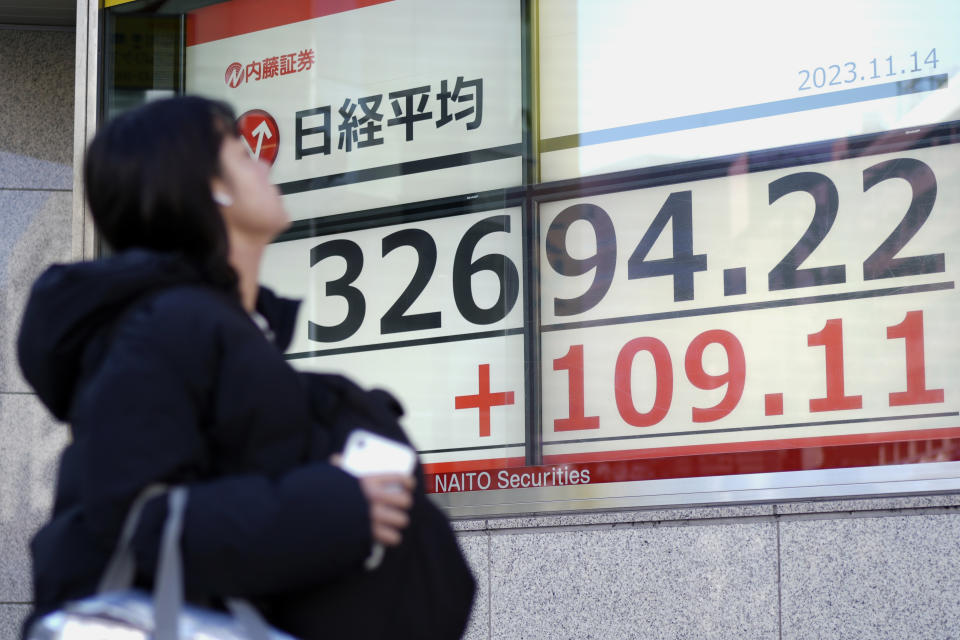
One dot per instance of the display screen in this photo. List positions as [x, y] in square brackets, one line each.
[596, 248]
[802, 306]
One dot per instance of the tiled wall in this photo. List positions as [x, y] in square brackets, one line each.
[36, 181]
[855, 569]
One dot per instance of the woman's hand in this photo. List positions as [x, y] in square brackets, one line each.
[390, 498]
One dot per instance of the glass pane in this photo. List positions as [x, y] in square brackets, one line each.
[367, 107]
[626, 84]
[607, 253]
[142, 61]
[764, 321]
[393, 128]
[747, 254]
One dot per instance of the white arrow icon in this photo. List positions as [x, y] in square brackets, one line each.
[262, 131]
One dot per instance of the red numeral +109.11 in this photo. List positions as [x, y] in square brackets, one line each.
[910, 330]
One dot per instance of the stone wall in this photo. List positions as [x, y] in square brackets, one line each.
[883, 568]
[36, 191]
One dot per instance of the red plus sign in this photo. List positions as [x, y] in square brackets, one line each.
[484, 400]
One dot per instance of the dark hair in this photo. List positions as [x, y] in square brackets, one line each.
[147, 175]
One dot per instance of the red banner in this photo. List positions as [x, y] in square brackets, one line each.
[907, 447]
[238, 17]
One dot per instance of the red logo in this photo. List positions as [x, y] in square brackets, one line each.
[259, 131]
[270, 67]
[234, 75]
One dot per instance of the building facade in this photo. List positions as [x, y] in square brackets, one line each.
[651, 407]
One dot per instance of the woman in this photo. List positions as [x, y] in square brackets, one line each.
[166, 359]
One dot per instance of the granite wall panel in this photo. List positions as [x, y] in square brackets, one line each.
[30, 445]
[36, 182]
[36, 130]
[700, 581]
[476, 549]
[36, 233]
[11, 619]
[871, 577]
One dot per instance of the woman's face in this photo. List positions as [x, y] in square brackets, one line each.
[254, 208]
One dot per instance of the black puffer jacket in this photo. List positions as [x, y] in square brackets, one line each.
[164, 379]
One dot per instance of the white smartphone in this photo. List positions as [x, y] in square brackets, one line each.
[365, 454]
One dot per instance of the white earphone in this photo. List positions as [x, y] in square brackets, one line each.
[222, 199]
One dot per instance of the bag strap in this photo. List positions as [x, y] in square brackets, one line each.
[120, 569]
[168, 588]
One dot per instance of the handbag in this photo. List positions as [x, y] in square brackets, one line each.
[424, 587]
[119, 612]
